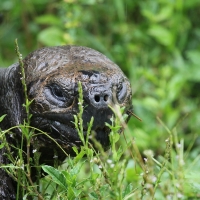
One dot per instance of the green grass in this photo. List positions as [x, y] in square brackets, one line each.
[156, 43]
[120, 173]
[123, 172]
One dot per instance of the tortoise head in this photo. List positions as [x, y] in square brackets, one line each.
[52, 76]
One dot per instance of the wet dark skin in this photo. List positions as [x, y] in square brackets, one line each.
[52, 76]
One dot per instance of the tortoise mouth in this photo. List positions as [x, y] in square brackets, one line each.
[67, 136]
[67, 133]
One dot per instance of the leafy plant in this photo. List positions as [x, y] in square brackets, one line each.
[156, 43]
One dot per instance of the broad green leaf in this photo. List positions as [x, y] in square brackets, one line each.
[119, 5]
[48, 19]
[128, 189]
[73, 192]
[88, 2]
[194, 56]
[51, 36]
[68, 177]
[2, 117]
[25, 196]
[163, 14]
[2, 145]
[56, 176]
[94, 177]
[93, 195]
[161, 34]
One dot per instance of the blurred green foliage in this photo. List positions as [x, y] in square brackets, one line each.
[155, 42]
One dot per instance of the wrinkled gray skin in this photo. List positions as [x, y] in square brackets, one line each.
[52, 75]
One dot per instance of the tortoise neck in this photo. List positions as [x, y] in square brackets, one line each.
[11, 96]
[2, 75]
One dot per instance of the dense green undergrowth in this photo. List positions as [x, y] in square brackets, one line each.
[120, 173]
[156, 43]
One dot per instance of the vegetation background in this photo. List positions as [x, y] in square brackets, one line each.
[157, 45]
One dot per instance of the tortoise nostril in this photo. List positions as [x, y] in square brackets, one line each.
[105, 97]
[97, 98]
[101, 98]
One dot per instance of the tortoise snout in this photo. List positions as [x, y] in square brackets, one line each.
[101, 96]
[101, 99]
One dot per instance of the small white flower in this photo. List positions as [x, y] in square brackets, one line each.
[169, 197]
[182, 162]
[100, 167]
[179, 195]
[94, 160]
[22, 166]
[148, 185]
[34, 150]
[109, 161]
[145, 159]
[112, 165]
[153, 179]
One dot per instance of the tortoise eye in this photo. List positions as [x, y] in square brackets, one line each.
[57, 92]
[58, 96]
[122, 92]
